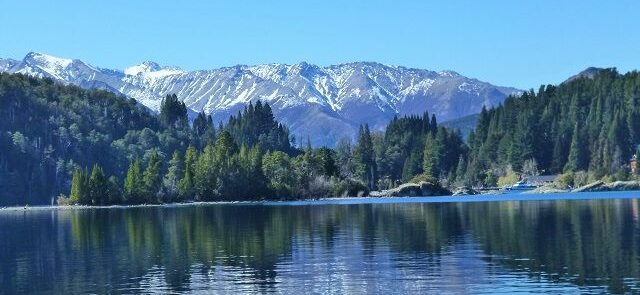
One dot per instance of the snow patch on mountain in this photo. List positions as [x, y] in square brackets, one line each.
[54, 66]
[307, 97]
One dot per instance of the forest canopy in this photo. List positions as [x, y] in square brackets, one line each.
[99, 148]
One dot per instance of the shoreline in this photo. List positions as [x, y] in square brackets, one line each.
[81, 207]
[521, 196]
[168, 205]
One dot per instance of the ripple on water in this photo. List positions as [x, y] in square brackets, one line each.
[552, 247]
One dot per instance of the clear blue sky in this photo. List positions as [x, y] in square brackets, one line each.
[509, 43]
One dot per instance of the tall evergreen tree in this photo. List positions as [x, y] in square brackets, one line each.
[577, 153]
[431, 159]
[98, 188]
[344, 158]
[364, 157]
[433, 124]
[205, 175]
[172, 178]
[114, 192]
[412, 165]
[326, 161]
[461, 170]
[186, 184]
[152, 177]
[134, 186]
[203, 128]
[172, 111]
[79, 187]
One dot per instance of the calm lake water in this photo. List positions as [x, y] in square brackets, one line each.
[413, 245]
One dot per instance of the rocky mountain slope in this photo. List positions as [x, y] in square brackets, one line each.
[322, 103]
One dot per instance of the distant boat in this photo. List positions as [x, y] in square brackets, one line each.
[521, 186]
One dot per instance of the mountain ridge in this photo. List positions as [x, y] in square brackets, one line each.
[324, 103]
[587, 73]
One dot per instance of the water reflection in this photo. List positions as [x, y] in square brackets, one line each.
[586, 242]
[544, 246]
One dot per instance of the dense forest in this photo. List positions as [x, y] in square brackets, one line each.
[83, 146]
[586, 128]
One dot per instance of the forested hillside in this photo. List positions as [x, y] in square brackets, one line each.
[99, 148]
[46, 130]
[306, 97]
[587, 127]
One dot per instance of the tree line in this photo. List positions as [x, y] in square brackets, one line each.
[101, 148]
[587, 129]
[249, 158]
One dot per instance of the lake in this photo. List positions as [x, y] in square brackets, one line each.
[556, 243]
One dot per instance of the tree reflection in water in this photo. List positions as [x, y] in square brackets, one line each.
[178, 249]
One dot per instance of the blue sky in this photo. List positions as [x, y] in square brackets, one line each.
[510, 43]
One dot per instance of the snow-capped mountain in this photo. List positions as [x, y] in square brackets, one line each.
[322, 103]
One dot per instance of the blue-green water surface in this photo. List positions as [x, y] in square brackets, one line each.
[555, 243]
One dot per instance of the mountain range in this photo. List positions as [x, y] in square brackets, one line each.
[321, 103]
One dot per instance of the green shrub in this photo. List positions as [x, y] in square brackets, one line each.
[564, 180]
[580, 178]
[349, 188]
[423, 177]
[509, 179]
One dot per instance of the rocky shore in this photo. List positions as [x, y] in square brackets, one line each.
[600, 186]
[422, 188]
[429, 189]
[547, 189]
[465, 191]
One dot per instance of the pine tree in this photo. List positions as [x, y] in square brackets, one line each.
[308, 165]
[430, 159]
[364, 158]
[461, 170]
[205, 175]
[203, 129]
[559, 156]
[344, 158]
[217, 169]
[114, 193]
[79, 188]
[433, 124]
[173, 112]
[224, 147]
[412, 165]
[576, 158]
[152, 177]
[98, 186]
[172, 178]
[134, 188]
[186, 184]
[326, 161]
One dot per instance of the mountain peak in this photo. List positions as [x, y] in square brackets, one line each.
[47, 60]
[44, 65]
[144, 67]
[153, 68]
[448, 73]
[308, 98]
[587, 73]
